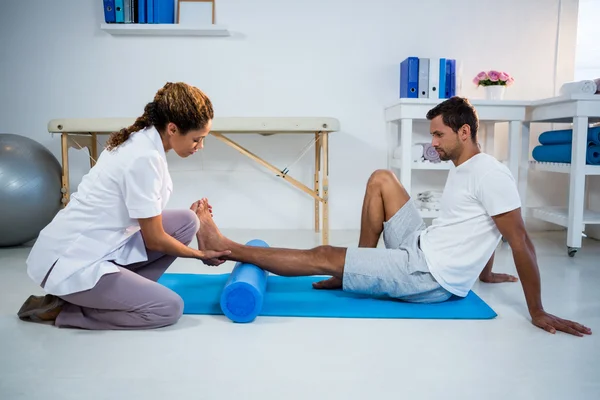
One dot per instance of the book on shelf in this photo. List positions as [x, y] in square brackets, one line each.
[139, 11]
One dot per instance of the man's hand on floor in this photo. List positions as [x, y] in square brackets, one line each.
[551, 323]
[493, 277]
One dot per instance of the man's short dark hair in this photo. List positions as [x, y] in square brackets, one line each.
[456, 112]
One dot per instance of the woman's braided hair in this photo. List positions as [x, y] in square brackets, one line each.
[184, 105]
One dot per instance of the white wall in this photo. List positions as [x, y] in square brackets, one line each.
[587, 56]
[587, 66]
[286, 58]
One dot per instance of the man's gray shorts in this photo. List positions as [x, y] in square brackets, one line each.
[397, 271]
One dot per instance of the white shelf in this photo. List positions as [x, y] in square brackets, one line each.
[165, 30]
[487, 110]
[562, 167]
[562, 109]
[444, 165]
[580, 110]
[564, 99]
[432, 101]
[560, 216]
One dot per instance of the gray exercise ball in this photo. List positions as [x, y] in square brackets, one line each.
[30, 183]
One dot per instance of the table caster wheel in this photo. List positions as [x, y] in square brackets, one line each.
[571, 251]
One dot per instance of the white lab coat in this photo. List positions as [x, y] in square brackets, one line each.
[100, 221]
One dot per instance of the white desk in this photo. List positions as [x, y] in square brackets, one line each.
[79, 133]
[580, 110]
[402, 114]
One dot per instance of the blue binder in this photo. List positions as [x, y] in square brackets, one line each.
[109, 11]
[409, 78]
[450, 77]
[150, 11]
[443, 78]
[119, 11]
[141, 10]
[164, 12]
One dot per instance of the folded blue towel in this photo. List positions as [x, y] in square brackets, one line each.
[565, 136]
[561, 153]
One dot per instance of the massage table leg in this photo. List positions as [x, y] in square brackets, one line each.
[317, 181]
[325, 144]
[93, 148]
[65, 168]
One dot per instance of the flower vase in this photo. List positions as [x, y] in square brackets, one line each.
[494, 92]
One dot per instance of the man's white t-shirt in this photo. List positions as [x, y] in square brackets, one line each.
[460, 242]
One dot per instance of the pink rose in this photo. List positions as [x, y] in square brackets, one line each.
[510, 81]
[503, 76]
[494, 76]
[482, 76]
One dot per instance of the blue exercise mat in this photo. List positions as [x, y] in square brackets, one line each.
[295, 297]
[565, 136]
[561, 153]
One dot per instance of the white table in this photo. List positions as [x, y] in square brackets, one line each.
[402, 114]
[580, 110]
[82, 132]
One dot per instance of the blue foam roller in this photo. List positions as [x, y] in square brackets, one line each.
[243, 294]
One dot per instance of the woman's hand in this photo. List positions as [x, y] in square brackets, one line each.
[213, 262]
[213, 258]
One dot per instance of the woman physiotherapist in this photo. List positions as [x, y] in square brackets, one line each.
[100, 257]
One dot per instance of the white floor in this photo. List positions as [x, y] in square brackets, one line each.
[208, 357]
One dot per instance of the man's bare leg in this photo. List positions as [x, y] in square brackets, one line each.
[384, 196]
[321, 260]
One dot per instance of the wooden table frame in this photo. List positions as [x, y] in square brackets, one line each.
[83, 133]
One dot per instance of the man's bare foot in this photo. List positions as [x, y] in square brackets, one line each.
[201, 246]
[209, 235]
[331, 283]
[203, 211]
[194, 206]
[213, 262]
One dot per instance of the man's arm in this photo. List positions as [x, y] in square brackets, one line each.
[512, 227]
[488, 276]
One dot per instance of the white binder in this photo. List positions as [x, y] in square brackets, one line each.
[434, 78]
[423, 77]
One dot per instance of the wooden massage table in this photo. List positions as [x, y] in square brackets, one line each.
[82, 132]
